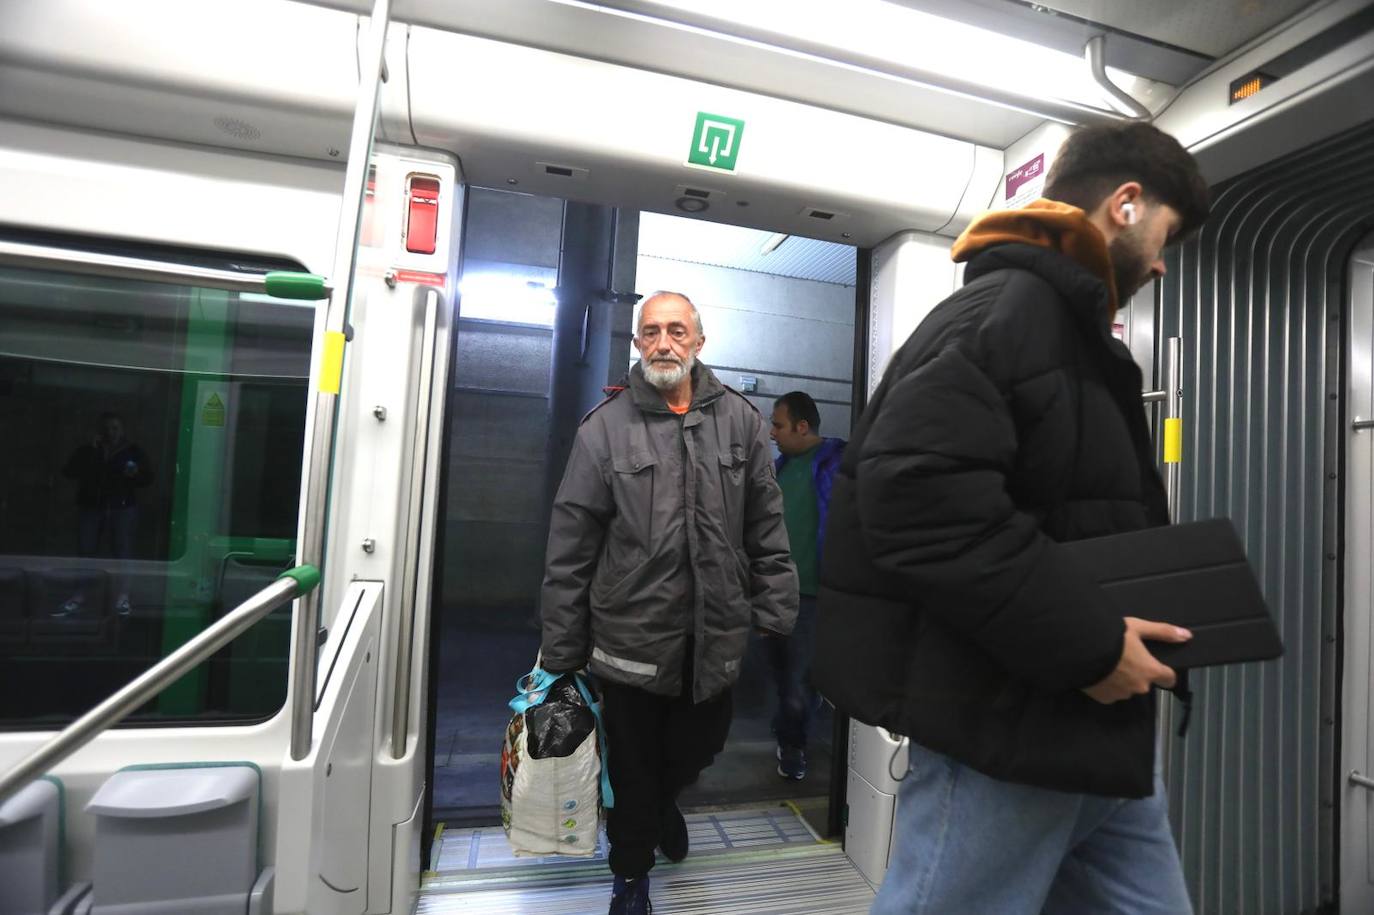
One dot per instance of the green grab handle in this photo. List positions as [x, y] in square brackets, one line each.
[307, 578]
[285, 284]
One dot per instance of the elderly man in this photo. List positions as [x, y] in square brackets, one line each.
[666, 546]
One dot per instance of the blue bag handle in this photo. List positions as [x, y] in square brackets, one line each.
[607, 795]
[533, 688]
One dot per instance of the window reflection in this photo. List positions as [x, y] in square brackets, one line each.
[149, 482]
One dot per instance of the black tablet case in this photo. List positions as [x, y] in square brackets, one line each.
[1193, 575]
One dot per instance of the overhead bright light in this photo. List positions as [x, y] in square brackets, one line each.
[771, 243]
[907, 36]
[505, 297]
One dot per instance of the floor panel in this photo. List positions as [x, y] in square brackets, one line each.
[786, 879]
[466, 850]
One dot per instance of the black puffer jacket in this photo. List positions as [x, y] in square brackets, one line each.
[1011, 419]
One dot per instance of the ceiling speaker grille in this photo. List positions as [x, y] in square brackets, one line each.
[239, 130]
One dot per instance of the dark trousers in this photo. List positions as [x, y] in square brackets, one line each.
[119, 525]
[790, 660]
[656, 746]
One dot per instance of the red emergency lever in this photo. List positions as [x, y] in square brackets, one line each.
[422, 214]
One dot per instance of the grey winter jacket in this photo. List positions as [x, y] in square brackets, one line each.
[666, 527]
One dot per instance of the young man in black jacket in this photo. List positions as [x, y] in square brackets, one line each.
[1009, 422]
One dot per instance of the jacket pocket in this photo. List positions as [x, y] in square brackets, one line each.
[733, 470]
[632, 483]
[742, 573]
[611, 583]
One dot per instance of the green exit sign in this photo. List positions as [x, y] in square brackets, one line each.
[715, 142]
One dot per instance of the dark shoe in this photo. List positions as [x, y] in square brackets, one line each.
[631, 897]
[673, 834]
[792, 763]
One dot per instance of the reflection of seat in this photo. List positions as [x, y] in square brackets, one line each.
[13, 619]
[252, 669]
[68, 606]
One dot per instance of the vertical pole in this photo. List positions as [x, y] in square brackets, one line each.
[1173, 455]
[1173, 422]
[305, 653]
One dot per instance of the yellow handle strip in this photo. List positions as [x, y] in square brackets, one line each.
[1173, 441]
[331, 366]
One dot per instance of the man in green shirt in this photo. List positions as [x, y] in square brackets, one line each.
[805, 470]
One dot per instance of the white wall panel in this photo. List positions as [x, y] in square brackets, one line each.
[912, 273]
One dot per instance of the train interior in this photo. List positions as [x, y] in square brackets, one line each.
[329, 285]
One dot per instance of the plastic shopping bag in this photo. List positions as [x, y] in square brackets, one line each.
[553, 774]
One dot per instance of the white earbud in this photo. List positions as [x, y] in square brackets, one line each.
[1128, 212]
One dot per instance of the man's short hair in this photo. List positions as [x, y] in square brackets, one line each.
[1094, 161]
[800, 407]
[639, 312]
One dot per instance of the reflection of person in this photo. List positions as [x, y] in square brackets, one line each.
[108, 471]
[666, 546]
[806, 470]
[1008, 422]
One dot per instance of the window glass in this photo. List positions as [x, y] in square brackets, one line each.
[150, 479]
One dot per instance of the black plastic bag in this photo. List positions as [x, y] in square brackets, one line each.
[557, 726]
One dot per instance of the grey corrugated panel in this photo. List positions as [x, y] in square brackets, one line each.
[1253, 299]
[820, 879]
[700, 242]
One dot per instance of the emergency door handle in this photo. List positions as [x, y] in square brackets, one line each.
[1361, 425]
[1357, 779]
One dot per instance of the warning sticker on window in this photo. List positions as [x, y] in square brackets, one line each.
[212, 414]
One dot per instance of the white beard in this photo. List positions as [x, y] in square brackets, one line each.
[666, 377]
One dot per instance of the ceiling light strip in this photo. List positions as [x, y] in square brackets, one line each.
[1062, 110]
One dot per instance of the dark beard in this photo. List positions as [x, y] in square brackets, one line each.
[1130, 269]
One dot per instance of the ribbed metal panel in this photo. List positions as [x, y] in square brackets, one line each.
[805, 881]
[699, 242]
[1257, 299]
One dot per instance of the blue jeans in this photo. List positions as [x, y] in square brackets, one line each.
[967, 843]
[789, 658]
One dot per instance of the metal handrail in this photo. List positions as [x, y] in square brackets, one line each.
[292, 584]
[120, 266]
[400, 709]
[1097, 65]
[305, 657]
